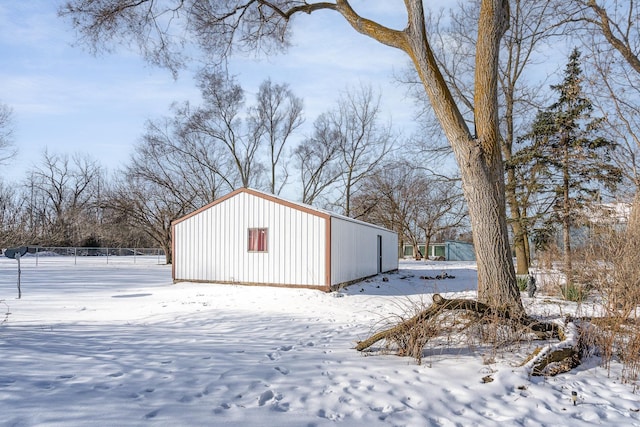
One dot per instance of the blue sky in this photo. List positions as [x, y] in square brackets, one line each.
[68, 101]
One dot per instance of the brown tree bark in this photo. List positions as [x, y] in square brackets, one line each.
[478, 155]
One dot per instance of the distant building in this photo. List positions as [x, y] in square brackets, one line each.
[449, 250]
[254, 238]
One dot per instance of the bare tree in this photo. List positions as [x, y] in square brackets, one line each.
[532, 25]
[347, 145]
[12, 219]
[146, 206]
[617, 22]
[362, 141]
[443, 209]
[7, 150]
[316, 159]
[221, 27]
[389, 199]
[611, 36]
[418, 204]
[278, 113]
[63, 193]
[189, 165]
[172, 171]
[220, 120]
[9, 205]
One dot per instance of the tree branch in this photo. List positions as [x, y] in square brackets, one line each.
[604, 23]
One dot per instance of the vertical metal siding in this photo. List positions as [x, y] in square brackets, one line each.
[389, 251]
[354, 250]
[212, 245]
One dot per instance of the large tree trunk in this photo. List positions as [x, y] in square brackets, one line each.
[484, 191]
[477, 154]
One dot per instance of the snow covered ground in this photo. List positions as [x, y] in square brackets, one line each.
[118, 344]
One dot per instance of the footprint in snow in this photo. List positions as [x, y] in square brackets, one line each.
[65, 377]
[221, 408]
[152, 414]
[45, 385]
[282, 370]
[281, 407]
[265, 397]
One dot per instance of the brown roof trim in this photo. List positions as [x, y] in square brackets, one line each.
[298, 206]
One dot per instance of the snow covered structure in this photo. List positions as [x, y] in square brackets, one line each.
[254, 238]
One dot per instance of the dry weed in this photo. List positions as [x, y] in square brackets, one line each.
[609, 265]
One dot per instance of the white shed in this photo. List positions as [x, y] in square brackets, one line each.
[254, 238]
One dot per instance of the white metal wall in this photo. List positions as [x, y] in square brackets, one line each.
[354, 250]
[212, 245]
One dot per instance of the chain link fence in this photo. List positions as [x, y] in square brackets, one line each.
[43, 255]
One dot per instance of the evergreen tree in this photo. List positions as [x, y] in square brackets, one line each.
[571, 160]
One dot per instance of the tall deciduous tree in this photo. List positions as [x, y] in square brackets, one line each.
[173, 170]
[187, 164]
[220, 119]
[147, 206]
[532, 25]
[12, 219]
[248, 137]
[277, 114]
[220, 27]
[362, 141]
[316, 160]
[7, 149]
[575, 157]
[64, 189]
[415, 203]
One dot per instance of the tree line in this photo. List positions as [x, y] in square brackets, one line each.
[528, 166]
[198, 153]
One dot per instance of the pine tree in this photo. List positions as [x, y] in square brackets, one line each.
[571, 159]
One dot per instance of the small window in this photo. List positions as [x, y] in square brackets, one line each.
[257, 240]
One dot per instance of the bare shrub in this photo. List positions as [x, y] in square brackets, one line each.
[610, 268]
[549, 256]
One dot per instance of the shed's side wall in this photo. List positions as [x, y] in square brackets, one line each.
[354, 251]
[212, 245]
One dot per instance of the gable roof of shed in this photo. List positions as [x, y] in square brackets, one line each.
[279, 200]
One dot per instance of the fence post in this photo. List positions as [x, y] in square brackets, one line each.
[75, 256]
